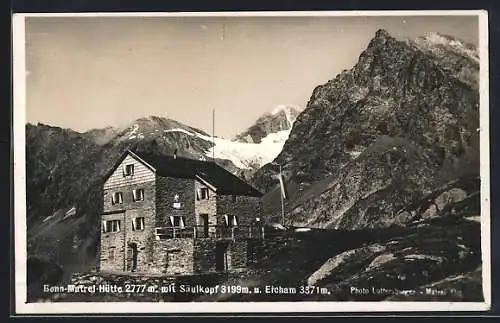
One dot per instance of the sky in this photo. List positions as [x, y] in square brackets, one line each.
[93, 72]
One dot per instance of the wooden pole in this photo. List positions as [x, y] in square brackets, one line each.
[282, 201]
[213, 135]
[125, 255]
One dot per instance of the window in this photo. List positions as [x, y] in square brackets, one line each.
[138, 224]
[111, 253]
[117, 198]
[177, 221]
[111, 226]
[233, 198]
[177, 204]
[128, 170]
[138, 194]
[231, 220]
[202, 194]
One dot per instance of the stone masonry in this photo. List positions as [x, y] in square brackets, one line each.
[115, 245]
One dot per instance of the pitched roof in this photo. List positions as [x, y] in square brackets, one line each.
[225, 182]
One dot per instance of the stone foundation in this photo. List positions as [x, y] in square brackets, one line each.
[188, 256]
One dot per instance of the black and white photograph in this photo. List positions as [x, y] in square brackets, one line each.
[251, 161]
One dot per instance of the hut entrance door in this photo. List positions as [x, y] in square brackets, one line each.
[222, 257]
[204, 225]
[132, 257]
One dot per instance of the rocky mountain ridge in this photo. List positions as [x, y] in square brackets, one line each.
[396, 126]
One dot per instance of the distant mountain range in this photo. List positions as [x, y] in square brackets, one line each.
[63, 153]
[258, 145]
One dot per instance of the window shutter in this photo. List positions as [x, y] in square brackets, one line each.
[117, 225]
[120, 197]
[226, 219]
[182, 222]
[134, 193]
[134, 224]
[113, 200]
[171, 220]
[124, 170]
[104, 226]
[235, 221]
[198, 194]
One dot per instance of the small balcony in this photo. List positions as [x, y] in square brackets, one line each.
[210, 232]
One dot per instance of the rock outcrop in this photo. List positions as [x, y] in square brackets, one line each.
[400, 124]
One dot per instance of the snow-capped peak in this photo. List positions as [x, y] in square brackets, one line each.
[290, 112]
[282, 107]
[433, 39]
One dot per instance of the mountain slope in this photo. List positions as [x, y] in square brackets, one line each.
[101, 136]
[396, 126]
[58, 167]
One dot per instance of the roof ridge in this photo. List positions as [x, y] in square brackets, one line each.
[223, 179]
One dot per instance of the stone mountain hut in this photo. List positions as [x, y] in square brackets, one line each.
[168, 215]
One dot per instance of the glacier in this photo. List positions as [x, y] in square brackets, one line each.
[243, 155]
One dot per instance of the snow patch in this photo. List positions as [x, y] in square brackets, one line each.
[243, 155]
[475, 218]
[247, 155]
[49, 217]
[432, 39]
[179, 130]
[277, 226]
[134, 129]
[381, 260]
[424, 257]
[70, 213]
[354, 154]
